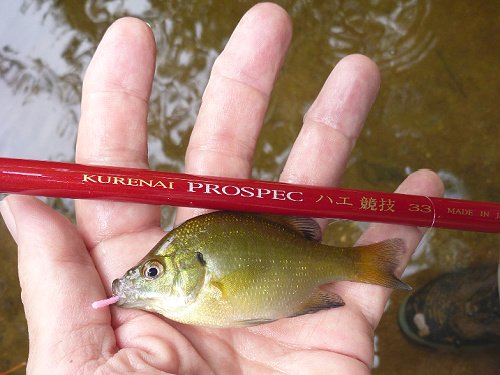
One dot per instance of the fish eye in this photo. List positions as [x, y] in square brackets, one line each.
[152, 269]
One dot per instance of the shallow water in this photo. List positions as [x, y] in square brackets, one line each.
[438, 108]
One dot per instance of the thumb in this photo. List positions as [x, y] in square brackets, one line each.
[59, 282]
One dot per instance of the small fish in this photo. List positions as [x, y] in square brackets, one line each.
[229, 269]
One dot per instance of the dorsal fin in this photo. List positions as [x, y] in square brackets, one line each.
[307, 227]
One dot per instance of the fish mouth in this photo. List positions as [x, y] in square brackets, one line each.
[130, 297]
[127, 296]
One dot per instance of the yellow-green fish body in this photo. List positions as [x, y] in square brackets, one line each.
[227, 269]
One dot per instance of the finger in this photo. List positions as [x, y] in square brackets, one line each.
[237, 95]
[58, 282]
[353, 324]
[332, 124]
[112, 128]
[372, 299]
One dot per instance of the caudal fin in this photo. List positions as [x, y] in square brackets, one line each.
[376, 263]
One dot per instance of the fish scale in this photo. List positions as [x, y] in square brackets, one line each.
[231, 269]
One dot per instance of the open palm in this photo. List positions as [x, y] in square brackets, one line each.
[63, 268]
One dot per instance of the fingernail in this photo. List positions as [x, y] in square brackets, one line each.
[8, 218]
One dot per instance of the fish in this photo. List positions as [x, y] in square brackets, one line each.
[235, 269]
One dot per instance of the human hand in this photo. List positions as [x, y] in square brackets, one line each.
[63, 268]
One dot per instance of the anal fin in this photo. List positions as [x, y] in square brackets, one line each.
[320, 300]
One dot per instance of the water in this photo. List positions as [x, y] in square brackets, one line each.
[438, 108]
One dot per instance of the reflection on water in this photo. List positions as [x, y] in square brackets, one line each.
[180, 79]
[438, 108]
[41, 64]
[394, 33]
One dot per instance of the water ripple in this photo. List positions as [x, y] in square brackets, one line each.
[394, 34]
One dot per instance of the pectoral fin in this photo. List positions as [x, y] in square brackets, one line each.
[320, 300]
[233, 288]
[236, 282]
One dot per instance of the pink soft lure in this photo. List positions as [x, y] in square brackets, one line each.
[105, 302]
